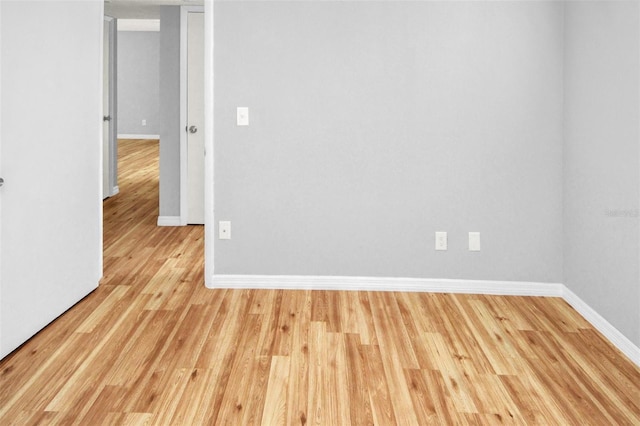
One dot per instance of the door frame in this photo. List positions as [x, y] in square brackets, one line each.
[184, 175]
[113, 106]
[1, 176]
[209, 183]
[209, 78]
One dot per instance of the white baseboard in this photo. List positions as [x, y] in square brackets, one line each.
[618, 339]
[500, 288]
[134, 136]
[114, 191]
[169, 221]
[296, 282]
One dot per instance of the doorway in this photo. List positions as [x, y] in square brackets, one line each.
[139, 122]
[173, 195]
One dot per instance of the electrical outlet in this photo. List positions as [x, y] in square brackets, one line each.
[242, 116]
[441, 241]
[224, 230]
[474, 241]
[144, 122]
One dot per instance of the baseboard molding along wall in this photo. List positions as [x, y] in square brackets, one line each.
[618, 339]
[299, 282]
[132, 136]
[498, 288]
[169, 221]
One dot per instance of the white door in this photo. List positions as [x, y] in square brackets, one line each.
[195, 118]
[109, 138]
[50, 159]
[106, 104]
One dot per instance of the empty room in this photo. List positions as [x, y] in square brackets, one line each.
[406, 212]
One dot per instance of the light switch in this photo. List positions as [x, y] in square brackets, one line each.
[242, 116]
[474, 241]
[224, 230]
[441, 241]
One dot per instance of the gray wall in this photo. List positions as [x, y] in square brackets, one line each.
[601, 164]
[138, 82]
[170, 111]
[375, 124]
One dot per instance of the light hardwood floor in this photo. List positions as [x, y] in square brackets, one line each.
[152, 346]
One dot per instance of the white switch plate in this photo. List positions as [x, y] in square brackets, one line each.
[441, 240]
[474, 241]
[242, 116]
[224, 230]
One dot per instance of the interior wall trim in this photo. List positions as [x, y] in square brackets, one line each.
[612, 334]
[428, 285]
[169, 221]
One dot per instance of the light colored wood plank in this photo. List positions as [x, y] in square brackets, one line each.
[297, 398]
[244, 367]
[486, 336]
[336, 366]
[361, 412]
[171, 395]
[451, 374]
[317, 402]
[193, 401]
[423, 403]
[379, 394]
[107, 305]
[397, 354]
[134, 419]
[252, 413]
[275, 406]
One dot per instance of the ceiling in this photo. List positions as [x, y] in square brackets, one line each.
[142, 9]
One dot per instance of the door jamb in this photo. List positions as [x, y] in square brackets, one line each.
[209, 120]
[1, 351]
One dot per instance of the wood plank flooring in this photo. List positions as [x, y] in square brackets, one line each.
[153, 346]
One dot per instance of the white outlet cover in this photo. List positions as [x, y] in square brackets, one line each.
[224, 230]
[242, 116]
[441, 241]
[474, 241]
